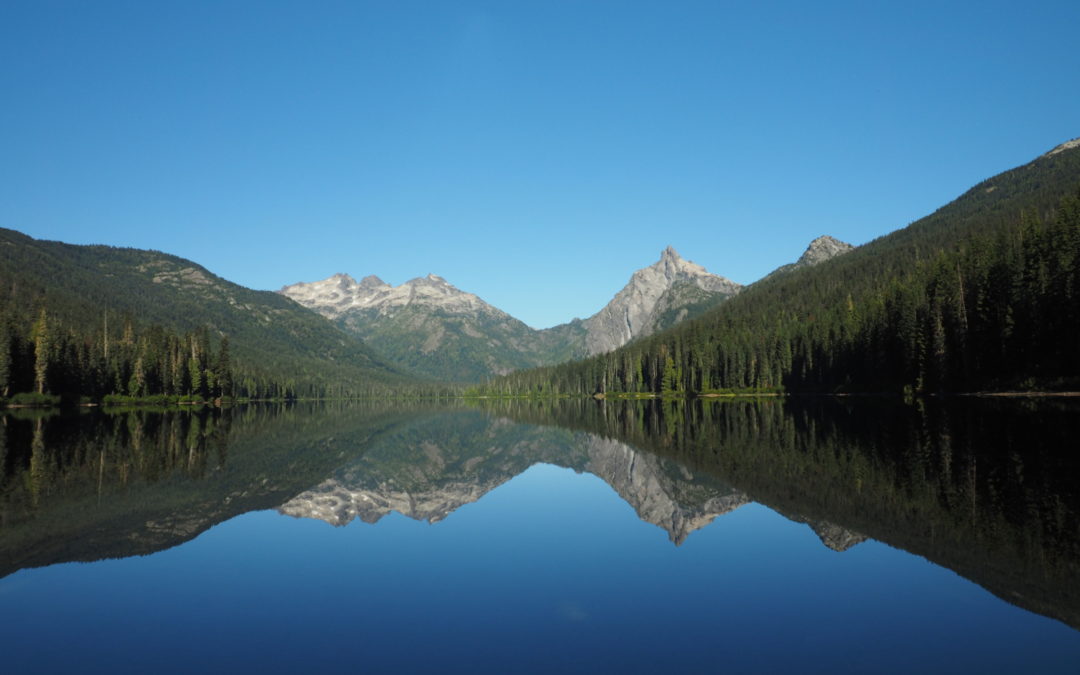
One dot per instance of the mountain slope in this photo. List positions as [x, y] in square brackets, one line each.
[979, 294]
[270, 335]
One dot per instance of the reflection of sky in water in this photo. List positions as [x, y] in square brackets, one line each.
[550, 572]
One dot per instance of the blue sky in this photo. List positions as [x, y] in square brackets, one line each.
[534, 153]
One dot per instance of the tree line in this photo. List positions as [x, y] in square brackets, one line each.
[49, 359]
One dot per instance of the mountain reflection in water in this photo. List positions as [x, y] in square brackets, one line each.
[985, 488]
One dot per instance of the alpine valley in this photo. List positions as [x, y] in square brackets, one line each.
[430, 327]
[981, 294]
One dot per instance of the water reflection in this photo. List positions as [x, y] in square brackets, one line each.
[986, 488]
[450, 460]
[87, 485]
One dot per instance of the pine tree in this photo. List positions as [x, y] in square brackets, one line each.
[223, 369]
[5, 355]
[42, 352]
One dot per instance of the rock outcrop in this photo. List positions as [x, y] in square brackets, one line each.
[821, 249]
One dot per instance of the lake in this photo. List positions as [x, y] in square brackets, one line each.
[800, 534]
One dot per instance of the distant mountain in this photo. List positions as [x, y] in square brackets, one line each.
[341, 294]
[432, 328]
[272, 337]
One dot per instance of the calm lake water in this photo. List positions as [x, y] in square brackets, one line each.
[807, 535]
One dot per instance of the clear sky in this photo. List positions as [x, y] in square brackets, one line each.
[533, 153]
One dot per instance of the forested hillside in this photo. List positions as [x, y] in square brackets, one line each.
[982, 294]
[96, 320]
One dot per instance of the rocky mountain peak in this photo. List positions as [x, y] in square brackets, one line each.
[633, 311]
[673, 266]
[341, 281]
[433, 280]
[370, 281]
[821, 249]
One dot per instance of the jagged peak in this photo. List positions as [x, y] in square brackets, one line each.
[823, 248]
[431, 280]
[339, 294]
[340, 280]
[1067, 145]
[372, 280]
[671, 264]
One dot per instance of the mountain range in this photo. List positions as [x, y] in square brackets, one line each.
[956, 301]
[434, 329]
[377, 335]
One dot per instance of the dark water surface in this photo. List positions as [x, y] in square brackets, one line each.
[804, 535]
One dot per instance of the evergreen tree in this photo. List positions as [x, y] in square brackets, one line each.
[42, 352]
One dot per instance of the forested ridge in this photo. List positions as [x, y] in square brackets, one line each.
[93, 321]
[981, 294]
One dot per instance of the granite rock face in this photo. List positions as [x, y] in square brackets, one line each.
[636, 310]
